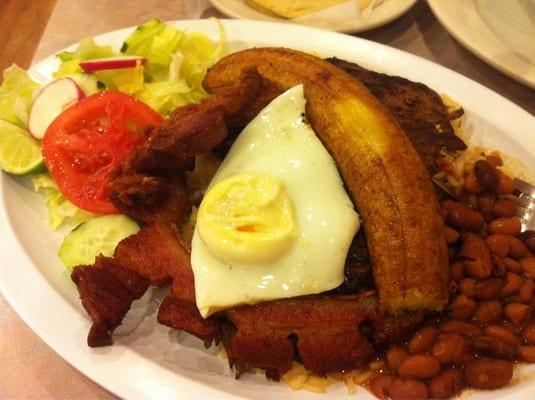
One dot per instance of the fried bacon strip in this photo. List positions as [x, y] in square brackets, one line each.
[327, 333]
[155, 256]
[197, 128]
[107, 291]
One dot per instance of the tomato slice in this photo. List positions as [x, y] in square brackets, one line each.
[87, 140]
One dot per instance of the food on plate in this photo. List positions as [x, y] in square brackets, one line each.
[51, 100]
[385, 294]
[16, 96]
[19, 153]
[260, 220]
[103, 64]
[85, 142]
[419, 111]
[97, 236]
[298, 8]
[162, 155]
[381, 170]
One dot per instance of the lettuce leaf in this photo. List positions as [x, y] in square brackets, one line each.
[177, 63]
[60, 210]
[16, 95]
[86, 50]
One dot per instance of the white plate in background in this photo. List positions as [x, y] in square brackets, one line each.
[151, 361]
[384, 13]
[497, 31]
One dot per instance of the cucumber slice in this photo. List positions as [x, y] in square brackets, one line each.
[99, 235]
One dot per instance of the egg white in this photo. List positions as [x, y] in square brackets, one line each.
[280, 143]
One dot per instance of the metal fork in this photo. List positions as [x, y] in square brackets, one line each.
[524, 197]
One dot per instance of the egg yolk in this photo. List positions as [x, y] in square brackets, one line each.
[247, 217]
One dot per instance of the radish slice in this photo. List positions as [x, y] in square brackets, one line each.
[50, 102]
[101, 64]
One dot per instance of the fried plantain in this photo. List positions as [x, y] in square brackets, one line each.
[382, 171]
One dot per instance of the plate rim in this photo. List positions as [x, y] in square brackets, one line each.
[475, 41]
[357, 28]
[23, 306]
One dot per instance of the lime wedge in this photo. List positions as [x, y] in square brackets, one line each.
[19, 153]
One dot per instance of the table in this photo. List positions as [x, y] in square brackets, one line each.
[28, 367]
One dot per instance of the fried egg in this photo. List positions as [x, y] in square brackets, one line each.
[276, 221]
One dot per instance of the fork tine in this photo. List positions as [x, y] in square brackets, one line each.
[526, 201]
[525, 187]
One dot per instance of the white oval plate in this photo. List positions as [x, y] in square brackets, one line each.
[386, 12]
[491, 39]
[148, 360]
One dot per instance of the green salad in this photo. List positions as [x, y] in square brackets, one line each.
[159, 64]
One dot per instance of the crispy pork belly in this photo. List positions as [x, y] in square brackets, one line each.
[325, 330]
[156, 256]
[184, 315]
[197, 128]
[327, 333]
[107, 291]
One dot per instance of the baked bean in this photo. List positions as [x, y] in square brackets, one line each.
[512, 284]
[504, 208]
[407, 389]
[517, 248]
[528, 333]
[460, 216]
[505, 185]
[476, 253]
[451, 234]
[495, 159]
[505, 226]
[487, 289]
[488, 311]
[420, 366]
[492, 346]
[487, 175]
[517, 313]
[486, 206]
[423, 340]
[488, 373]
[530, 244]
[462, 307]
[449, 348]
[513, 265]
[380, 384]
[464, 328]
[446, 385]
[528, 265]
[453, 287]
[498, 244]
[451, 253]
[526, 353]
[471, 184]
[394, 357]
[499, 332]
[525, 294]
[498, 267]
[468, 286]
[457, 271]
